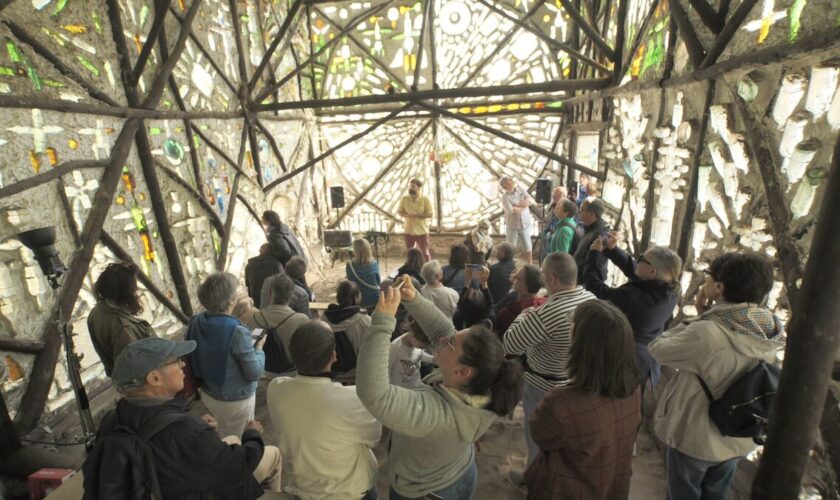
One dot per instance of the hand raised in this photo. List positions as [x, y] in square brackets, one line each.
[209, 420]
[254, 425]
[612, 239]
[389, 301]
[407, 290]
[597, 245]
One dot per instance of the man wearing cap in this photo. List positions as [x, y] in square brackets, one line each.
[190, 459]
[515, 203]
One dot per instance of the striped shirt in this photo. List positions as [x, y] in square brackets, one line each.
[543, 335]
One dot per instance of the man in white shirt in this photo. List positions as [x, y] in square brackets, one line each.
[445, 298]
[325, 433]
[515, 203]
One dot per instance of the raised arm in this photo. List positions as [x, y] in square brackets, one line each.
[402, 410]
[429, 317]
[623, 261]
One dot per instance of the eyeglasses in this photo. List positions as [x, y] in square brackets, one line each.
[177, 360]
[448, 341]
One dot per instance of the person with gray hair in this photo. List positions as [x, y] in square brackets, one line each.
[226, 359]
[648, 298]
[543, 335]
[190, 459]
[280, 321]
[302, 295]
[515, 203]
[443, 297]
[325, 434]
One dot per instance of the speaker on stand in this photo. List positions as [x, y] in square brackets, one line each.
[337, 200]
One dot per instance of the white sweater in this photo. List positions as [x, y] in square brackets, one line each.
[325, 436]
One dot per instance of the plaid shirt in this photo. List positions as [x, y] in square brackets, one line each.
[586, 446]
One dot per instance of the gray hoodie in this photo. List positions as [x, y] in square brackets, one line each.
[434, 428]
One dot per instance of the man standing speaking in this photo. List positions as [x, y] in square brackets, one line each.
[416, 209]
[515, 202]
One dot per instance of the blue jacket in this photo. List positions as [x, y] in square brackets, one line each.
[648, 304]
[368, 280]
[225, 358]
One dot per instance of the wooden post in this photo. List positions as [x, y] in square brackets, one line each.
[9, 442]
[695, 49]
[813, 341]
[728, 32]
[281, 34]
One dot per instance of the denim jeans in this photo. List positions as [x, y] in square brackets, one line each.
[690, 478]
[462, 489]
[531, 397]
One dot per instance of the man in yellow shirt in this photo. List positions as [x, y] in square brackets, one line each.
[416, 209]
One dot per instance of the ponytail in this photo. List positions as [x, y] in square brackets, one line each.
[494, 376]
[506, 391]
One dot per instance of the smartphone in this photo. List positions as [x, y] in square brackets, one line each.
[257, 334]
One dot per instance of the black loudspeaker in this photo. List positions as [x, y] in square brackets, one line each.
[543, 191]
[338, 238]
[337, 196]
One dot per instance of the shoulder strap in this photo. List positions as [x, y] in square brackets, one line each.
[706, 389]
[280, 323]
[365, 283]
[159, 422]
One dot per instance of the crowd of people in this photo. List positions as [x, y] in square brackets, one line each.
[430, 358]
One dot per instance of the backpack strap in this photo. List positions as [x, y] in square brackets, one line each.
[158, 422]
[706, 389]
[368, 285]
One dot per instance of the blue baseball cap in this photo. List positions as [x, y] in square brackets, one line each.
[145, 355]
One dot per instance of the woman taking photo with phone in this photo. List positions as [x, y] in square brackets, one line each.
[435, 427]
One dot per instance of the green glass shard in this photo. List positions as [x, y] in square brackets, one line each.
[97, 23]
[14, 53]
[144, 14]
[59, 7]
[6, 71]
[87, 65]
[795, 15]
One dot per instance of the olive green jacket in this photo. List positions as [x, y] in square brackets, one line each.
[112, 328]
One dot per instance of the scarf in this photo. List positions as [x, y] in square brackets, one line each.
[747, 319]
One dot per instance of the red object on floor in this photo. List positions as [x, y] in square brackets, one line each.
[44, 481]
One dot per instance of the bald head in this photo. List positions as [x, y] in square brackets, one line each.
[559, 272]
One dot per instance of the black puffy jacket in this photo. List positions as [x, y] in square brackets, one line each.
[284, 244]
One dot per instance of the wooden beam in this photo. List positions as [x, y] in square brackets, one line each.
[425, 25]
[215, 220]
[142, 277]
[9, 442]
[590, 32]
[813, 341]
[515, 140]
[50, 55]
[43, 368]
[268, 89]
[161, 7]
[23, 346]
[255, 150]
[234, 193]
[708, 15]
[49, 175]
[690, 204]
[695, 49]
[760, 143]
[68, 214]
[221, 152]
[432, 47]
[503, 42]
[382, 173]
[573, 52]
[278, 38]
[335, 148]
[640, 36]
[383, 65]
[464, 144]
[503, 90]
[621, 18]
[273, 143]
[207, 55]
[244, 88]
[24, 102]
[728, 32]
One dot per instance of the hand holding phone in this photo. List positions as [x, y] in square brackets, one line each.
[259, 336]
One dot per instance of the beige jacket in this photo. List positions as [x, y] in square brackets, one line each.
[112, 328]
[704, 346]
[276, 314]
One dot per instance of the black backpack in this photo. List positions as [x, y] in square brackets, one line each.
[578, 234]
[345, 354]
[276, 359]
[742, 410]
[121, 463]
